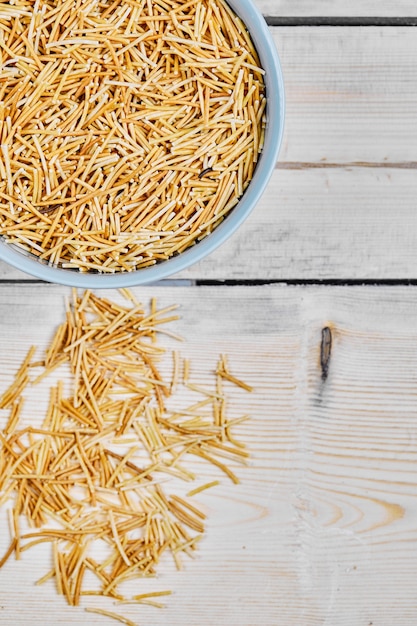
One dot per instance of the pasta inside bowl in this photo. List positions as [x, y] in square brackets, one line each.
[130, 134]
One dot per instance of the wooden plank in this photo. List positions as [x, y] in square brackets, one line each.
[324, 223]
[319, 223]
[10, 273]
[236, 571]
[322, 220]
[354, 8]
[350, 92]
[322, 528]
[356, 493]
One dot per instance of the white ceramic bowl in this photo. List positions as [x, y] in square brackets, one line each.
[274, 84]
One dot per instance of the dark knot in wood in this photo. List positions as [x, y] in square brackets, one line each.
[325, 351]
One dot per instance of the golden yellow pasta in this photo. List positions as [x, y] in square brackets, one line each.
[128, 128]
[100, 467]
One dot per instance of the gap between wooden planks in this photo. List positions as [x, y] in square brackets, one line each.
[323, 527]
[337, 8]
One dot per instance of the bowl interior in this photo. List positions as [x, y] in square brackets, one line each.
[274, 85]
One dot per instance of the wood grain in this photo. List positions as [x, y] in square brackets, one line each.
[322, 529]
[357, 472]
[343, 223]
[354, 8]
[351, 94]
[239, 564]
[341, 202]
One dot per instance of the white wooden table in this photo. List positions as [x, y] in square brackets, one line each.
[322, 530]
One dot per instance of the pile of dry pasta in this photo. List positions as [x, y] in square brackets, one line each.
[128, 128]
[93, 479]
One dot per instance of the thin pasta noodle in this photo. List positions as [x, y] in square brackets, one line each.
[128, 130]
[95, 469]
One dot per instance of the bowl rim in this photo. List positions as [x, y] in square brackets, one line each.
[275, 112]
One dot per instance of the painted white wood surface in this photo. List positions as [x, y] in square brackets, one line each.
[322, 529]
[345, 223]
[333, 8]
[341, 203]
[351, 94]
